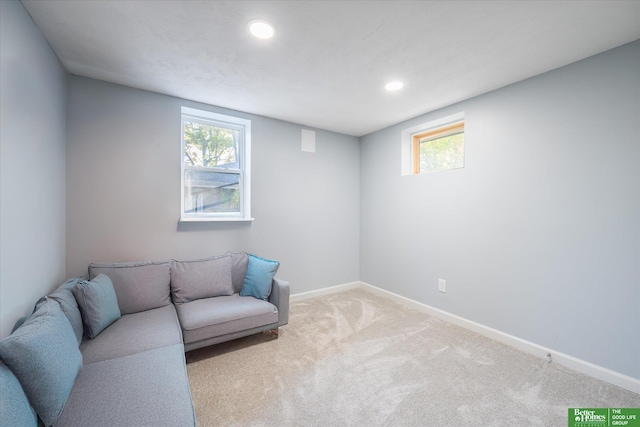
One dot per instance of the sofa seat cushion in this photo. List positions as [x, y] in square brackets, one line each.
[212, 317]
[144, 389]
[134, 333]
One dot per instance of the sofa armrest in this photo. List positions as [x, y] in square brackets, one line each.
[280, 298]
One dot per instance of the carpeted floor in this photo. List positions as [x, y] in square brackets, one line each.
[358, 359]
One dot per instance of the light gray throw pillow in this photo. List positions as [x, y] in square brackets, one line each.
[98, 304]
[43, 354]
[193, 280]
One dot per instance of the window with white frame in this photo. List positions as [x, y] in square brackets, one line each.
[216, 161]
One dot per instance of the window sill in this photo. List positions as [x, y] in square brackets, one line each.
[211, 219]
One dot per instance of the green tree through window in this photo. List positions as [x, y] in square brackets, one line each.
[207, 145]
[442, 153]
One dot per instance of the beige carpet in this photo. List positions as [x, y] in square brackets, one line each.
[358, 359]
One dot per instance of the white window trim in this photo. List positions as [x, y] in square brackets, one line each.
[406, 139]
[209, 117]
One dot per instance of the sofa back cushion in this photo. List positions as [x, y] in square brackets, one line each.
[193, 280]
[14, 406]
[98, 304]
[239, 262]
[43, 354]
[139, 286]
[64, 296]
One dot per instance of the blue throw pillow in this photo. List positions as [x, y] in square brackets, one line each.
[257, 282]
[98, 303]
[43, 354]
[14, 406]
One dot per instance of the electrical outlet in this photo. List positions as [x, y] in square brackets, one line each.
[442, 285]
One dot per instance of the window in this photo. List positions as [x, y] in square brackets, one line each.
[434, 146]
[438, 149]
[215, 158]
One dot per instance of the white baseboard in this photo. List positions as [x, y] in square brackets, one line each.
[612, 377]
[325, 291]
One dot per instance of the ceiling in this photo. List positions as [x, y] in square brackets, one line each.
[329, 60]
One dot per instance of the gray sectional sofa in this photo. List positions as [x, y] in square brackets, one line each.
[132, 372]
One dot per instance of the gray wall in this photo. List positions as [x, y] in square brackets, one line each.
[538, 236]
[123, 190]
[32, 166]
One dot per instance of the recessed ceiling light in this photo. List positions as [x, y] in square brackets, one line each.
[391, 86]
[261, 29]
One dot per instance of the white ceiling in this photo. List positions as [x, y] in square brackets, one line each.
[329, 60]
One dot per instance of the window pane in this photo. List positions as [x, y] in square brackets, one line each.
[210, 146]
[442, 153]
[211, 192]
